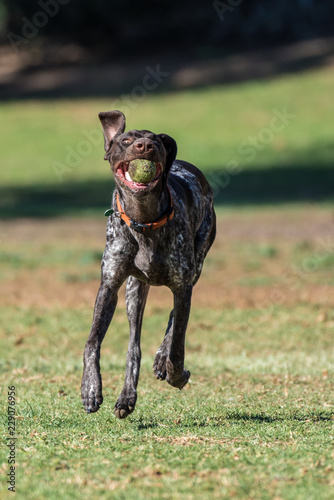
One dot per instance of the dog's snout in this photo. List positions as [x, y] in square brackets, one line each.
[143, 145]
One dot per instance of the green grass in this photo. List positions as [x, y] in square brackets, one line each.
[256, 420]
[209, 125]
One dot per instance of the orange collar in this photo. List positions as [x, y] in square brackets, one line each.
[141, 228]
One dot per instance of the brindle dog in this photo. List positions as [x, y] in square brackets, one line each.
[158, 233]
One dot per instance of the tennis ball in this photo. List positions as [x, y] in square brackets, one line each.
[142, 171]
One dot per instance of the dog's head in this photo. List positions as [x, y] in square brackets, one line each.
[121, 148]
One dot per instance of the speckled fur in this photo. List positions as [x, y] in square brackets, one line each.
[171, 255]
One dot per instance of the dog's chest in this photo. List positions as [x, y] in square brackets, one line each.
[165, 262]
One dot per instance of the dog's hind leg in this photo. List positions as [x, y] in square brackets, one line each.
[177, 376]
[159, 366]
[135, 298]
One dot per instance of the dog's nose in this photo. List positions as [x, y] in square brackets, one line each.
[143, 145]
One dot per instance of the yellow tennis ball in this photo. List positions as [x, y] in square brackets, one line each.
[142, 171]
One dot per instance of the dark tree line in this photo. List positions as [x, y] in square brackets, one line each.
[142, 25]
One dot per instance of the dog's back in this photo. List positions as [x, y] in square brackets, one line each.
[194, 197]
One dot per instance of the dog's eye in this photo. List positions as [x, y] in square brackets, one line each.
[126, 141]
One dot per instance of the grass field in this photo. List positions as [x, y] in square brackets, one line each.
[52, 151]
[256, 419]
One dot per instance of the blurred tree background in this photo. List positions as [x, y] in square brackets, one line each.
[155, 26]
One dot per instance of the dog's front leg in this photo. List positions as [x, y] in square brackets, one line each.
[91, 385]
[135, 299]
[177, 376]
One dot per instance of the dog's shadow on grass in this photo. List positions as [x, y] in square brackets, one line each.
[142, 425]
[186, 422]
[269, 419]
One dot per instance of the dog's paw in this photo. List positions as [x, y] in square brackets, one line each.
[91, 393]
[125, 404]
[159, 366]
[176, 377]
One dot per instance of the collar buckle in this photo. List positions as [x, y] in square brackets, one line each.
[137, 226]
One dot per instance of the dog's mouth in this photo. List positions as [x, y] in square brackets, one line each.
[122, 173]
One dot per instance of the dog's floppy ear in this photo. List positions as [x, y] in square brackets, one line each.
[113, 124]
[171, 150]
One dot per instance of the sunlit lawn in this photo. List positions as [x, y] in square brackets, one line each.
[52, 151]
[256, 419]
